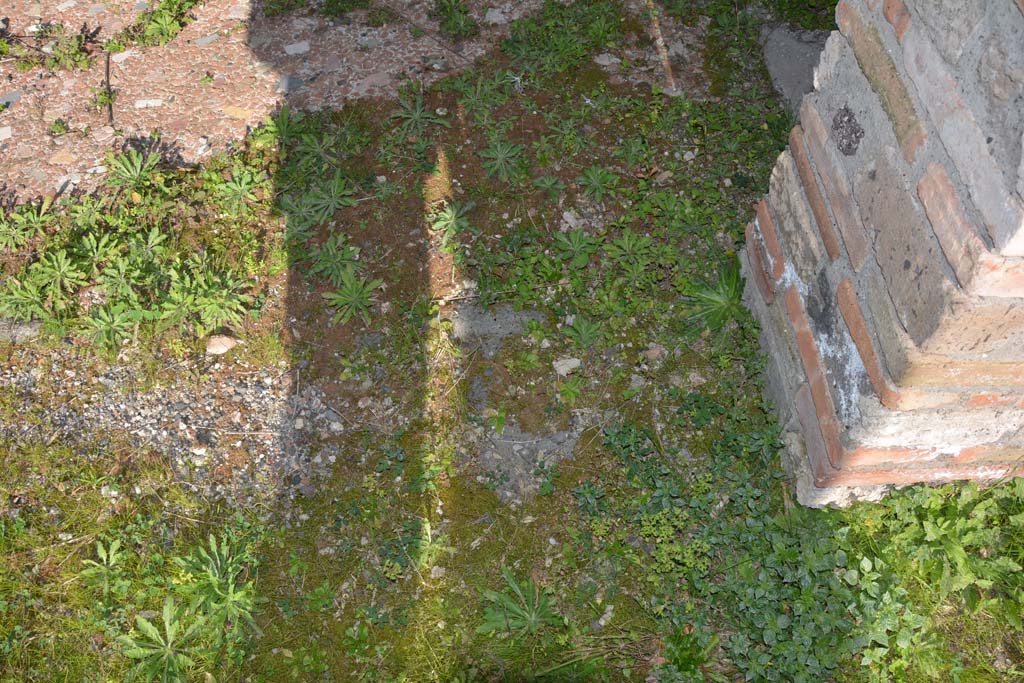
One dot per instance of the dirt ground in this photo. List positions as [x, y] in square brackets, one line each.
[226, 71]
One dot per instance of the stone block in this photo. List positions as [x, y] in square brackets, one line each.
[907, 256]
[980, 329]
[1000, 83]
[902, 475]
[951, 23]
[822, 218]
[837, 189]
[966, 144]
[941, 431]
[881, 73]
[795, 225]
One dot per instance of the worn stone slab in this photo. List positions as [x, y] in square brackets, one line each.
[950, 24]
[15, 332]
[908, 257]
[791, 55]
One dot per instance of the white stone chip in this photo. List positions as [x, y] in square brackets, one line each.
[220, 344]
[565, 366]
[121, 56]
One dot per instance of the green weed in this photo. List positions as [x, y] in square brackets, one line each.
[522, 609]
[598, 182]
[456, 23]
[158, 25]
[354, 296]
[503, 159]
[163, 656]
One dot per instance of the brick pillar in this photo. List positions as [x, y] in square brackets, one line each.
[886, 263]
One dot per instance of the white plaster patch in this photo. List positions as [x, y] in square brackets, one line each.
[828, 59]
[789, 277]
[848, 360]
[764, 249]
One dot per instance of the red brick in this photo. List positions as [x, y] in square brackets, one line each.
[873, 457]
[896, 14]
[911, 398]
[760, 274]
[776, 262]
[978, 270]
[990, 453]
[810, 358]
[956, 236]
[833, 180]
[855, 323]
[880, 71]
[991, 400]
[821, 216]
[943, 372]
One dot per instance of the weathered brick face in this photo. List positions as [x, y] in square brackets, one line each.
[888, 275]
